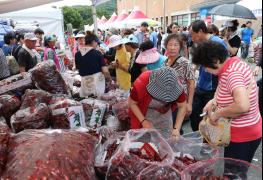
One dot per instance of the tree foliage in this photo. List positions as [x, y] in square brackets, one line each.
[79, 16]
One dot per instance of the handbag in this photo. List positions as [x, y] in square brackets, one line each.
[12, 64]
[219, 135]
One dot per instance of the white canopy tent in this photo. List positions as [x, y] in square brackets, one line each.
[49, 19]
[15, 5]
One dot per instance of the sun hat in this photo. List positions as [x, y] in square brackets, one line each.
[226, 24]
[131, 39]
[164, 85]
[148, 57]
[30, 36]
[50, 38]
[114, 41]
[79, 35]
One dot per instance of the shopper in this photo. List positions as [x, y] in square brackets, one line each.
[50, 51]
[231, 37]
[27, 56]
[20, 39]
[121, 63]
[207, 82]
[92, 69]
[236, 98]
[154, 96]
[10, 43]
[140, 34]
[153, 36]
[246, 37]
[80, 42]
[182, 66]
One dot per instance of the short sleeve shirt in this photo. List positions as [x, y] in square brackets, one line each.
[235, 42]
[26, 60]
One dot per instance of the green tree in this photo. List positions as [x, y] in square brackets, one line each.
[71, 15]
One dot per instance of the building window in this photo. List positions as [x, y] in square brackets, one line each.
[182, 20]
[161, 20]
[157, 19]
[195, 16]
[166, 21]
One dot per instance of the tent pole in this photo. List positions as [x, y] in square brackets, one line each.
[94, 14]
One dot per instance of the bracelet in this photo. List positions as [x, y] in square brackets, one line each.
[143, 120]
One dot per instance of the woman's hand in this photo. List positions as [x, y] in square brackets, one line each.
[147, 124]
[208, 107]
[176, 134]
[256, 71]
[115, 64]
[214, 117]
[189, 109]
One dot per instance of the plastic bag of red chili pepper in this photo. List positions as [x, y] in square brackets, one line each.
[105, 151]
[159, 172]
[222, 169]
[35, 97]
[4, 139]
[140, 149]
[35, 117]
[46, 77]
[188, 152]
[51, 154]
[8, 106]
[66, 113]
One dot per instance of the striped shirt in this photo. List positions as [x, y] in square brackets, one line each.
[234, 74]
[4, 70]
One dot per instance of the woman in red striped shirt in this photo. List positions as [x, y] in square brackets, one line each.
[236, 98]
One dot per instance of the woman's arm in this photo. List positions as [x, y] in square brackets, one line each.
[106, 73]
[191, 90]
[133, 105]
[180, 115]
[240, 105]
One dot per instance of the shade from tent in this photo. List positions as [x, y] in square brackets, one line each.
[15, 5]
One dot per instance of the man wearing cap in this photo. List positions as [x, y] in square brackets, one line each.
[27, 57]
[140, 34]
[155, 94]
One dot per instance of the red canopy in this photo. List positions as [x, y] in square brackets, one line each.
[121, 17]
[113, 18]
[136, 14]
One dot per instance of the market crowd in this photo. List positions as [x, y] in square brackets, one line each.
[170, 77]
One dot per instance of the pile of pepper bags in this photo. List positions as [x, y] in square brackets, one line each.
[48, 132]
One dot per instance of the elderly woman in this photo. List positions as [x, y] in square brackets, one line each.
[50, 51]
[236, 97]
[155, 94]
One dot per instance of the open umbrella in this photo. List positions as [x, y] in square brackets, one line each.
[233, 10]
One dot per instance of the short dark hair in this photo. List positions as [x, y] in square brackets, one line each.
[213, 29]
[89, 38]
[199, 25]
[235, 25]
[177, 37]
[39, 31]
[133, 45]
[208, 53]
[145, 24]
[8, 37]
[249, 22]
[172, 24]
[19, 36]
[146, 45]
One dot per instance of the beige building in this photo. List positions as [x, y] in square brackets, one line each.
[181, 11]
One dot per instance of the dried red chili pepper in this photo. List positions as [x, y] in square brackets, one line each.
[51, 154]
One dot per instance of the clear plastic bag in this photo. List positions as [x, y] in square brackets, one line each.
[94, 112]
[113, 122]
[222, 168]
[35, 97]
[140, 149]
[188, 152]
[4, 139]
[66, 113]
[8, 106]
[35, 117]
[159, 172]
[120, 110]
[194, 136]
[51, 154]
[46, 77]
[105, 151]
